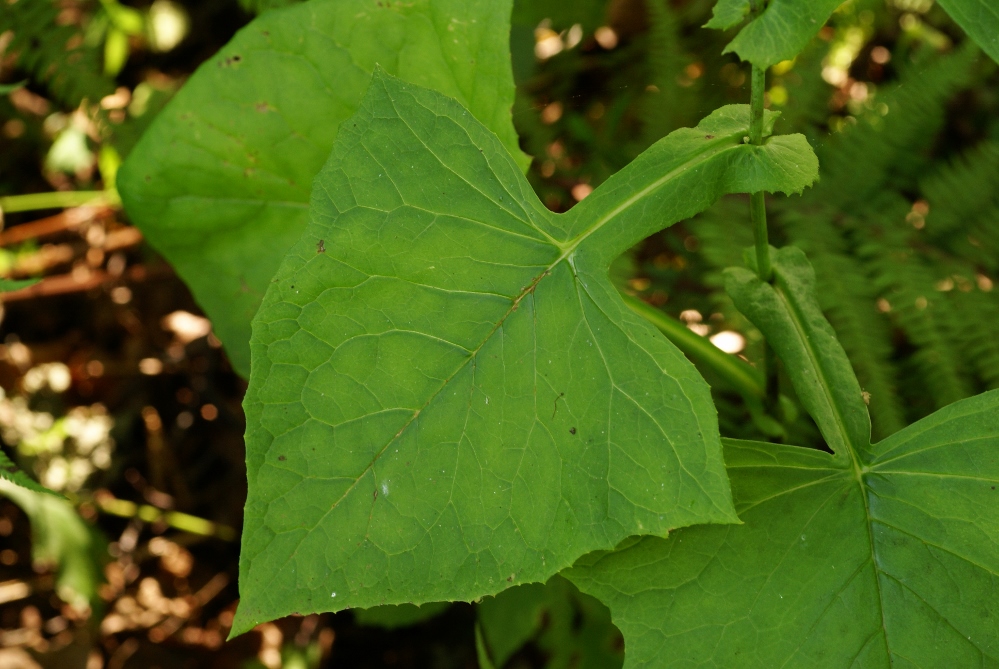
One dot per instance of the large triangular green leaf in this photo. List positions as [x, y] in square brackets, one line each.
[448, 395]
[220, 182]
[980, 19]
[877, 556]
[778, 33]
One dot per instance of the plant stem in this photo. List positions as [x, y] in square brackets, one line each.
[758, 218]
[739, 375]
[757, 202]
[150, 514]
[57, 200]
[757, 87]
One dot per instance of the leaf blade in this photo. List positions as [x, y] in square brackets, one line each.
[788, 314]
[728, 14]
[978, 18]
[812, 578]
[778, 33]
[220, 183]
[453, 345]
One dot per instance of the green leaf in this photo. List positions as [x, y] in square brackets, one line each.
[220, 182]
[10, 285]
[788, 315]
[571, 629]
[60, 537]
[779, 33]
[980, 19]
[448, 395]
[10, 88]
[9, 471]
[401, 615]
[481, 652]
[894, 566]
[728, 14]
[872, 556]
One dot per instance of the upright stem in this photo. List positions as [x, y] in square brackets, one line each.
[757, 203]
[758, 217]
[758, 85]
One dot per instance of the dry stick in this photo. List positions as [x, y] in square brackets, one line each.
[51, 225]
[67, 283]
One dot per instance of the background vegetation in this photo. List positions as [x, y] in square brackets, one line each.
[116, 393]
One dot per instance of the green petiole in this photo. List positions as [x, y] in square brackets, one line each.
[58, 200]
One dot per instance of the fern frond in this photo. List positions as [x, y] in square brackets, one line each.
[54, 54]
[663, 105]
[808, 93]
[889, 145]
[963, 202]
[907, 281]
[976, 337]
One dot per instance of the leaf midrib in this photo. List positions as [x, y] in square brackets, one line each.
[809, 348]
[858, 472]
[710, 150]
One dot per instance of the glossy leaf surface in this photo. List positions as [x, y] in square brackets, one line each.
[220, 182]
[448, 395]
[875, 556]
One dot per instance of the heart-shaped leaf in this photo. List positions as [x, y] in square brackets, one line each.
[879, 555]
[220, 182]
[448, 395]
